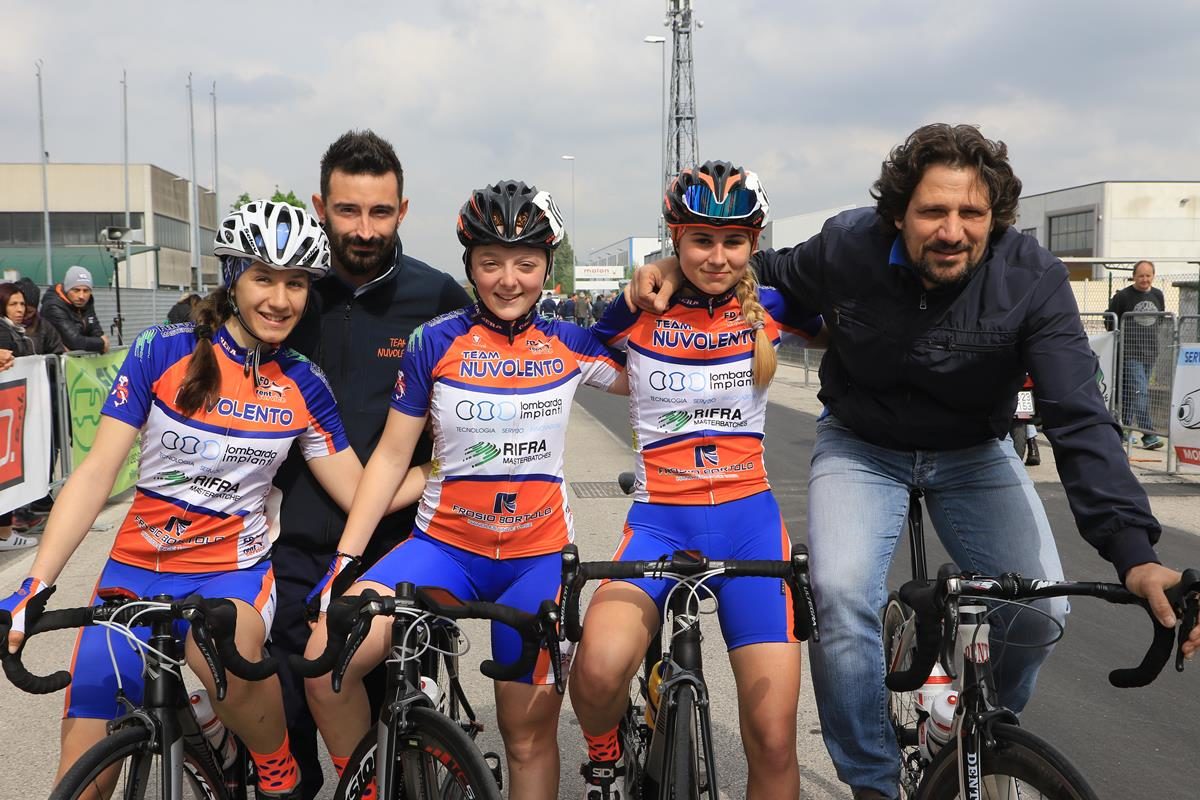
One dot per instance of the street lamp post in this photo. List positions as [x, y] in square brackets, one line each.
[574, 241]
[662, 228]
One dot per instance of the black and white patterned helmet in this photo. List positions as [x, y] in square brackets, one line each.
[278, 235]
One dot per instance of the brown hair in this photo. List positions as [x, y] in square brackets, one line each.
[954, 146]
[763, 363]
[361, 153]
[202, 381]
[7, 290]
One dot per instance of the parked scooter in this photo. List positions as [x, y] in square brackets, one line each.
[1024, 427]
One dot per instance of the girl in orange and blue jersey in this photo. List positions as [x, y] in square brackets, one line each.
[496, 382]
[698, 376]
[217, 405]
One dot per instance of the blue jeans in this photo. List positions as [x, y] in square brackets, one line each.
[986, 513]
[1135, 395]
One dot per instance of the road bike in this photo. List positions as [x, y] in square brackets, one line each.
[422, 747]
[156, 748]
[670, 755]
[970, 746]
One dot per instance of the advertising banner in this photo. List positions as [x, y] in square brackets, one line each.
[24, 433]
[1185, 406]
[89, 380]
[1104, 345]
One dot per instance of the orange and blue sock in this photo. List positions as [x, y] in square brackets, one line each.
[277, 772]
[605, 747]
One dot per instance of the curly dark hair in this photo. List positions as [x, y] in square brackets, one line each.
[359, 152]
[953, 146]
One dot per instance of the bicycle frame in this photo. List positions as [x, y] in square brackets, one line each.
[686, 667]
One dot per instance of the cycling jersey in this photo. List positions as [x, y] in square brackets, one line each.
[697, 416]
[499, 403]
[203, 480]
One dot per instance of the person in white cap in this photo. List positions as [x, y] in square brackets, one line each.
[71, 309]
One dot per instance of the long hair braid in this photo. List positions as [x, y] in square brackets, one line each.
[764, 362]
[202, 381]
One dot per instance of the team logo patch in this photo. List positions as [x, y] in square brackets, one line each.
[398, 389]
[480, 453]
[177, 525]
[538, 346]
[706, 455]
[673, 420]
[506, 503]
[172, 477]
[121, 391]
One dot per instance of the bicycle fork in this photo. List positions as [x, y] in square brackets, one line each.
[683, 661]
[976, 710]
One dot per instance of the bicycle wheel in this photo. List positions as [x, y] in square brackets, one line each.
[902, 706]
[1021, 765]
[435, 759]
[685, 761]
[126, 762]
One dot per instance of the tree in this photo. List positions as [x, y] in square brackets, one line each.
[564, 266]
[279, 197]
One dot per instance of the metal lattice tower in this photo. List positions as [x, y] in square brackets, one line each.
[682, 144]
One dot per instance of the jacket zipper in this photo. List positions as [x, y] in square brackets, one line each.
[924, 305]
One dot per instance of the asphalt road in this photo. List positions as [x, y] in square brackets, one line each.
[1128, 743]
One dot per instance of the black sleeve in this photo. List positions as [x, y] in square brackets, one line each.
[48, 341]
[797, 272]
[1109, 505]
[453, 297]
[1114, 307]
[68, 329]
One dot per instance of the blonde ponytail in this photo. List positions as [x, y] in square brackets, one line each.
[764, 362]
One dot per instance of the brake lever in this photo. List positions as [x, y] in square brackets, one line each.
[1189, 605]
[548, 617]
[203, 636]
[358, 633]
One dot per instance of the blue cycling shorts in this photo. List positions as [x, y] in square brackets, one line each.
[93, 689]
[518, 582]
[750, 610]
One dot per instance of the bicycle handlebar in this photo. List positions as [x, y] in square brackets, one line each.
[929, 599]
[348, 621]
[213, 625]
[687, 564]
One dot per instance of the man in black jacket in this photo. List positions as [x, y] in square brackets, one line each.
[359, 319]
[70, 308]
[936, 308]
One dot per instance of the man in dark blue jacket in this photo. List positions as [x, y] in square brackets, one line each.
[356, 327]
[936, 308]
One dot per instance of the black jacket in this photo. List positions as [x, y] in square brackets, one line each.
[911, 369]
[19, 342]
[358, 341]
[46, 339]
[79, 328]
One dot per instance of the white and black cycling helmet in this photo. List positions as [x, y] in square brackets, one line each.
[279, 235]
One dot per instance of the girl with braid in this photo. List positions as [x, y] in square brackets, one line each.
[698, 376]
[217, 405]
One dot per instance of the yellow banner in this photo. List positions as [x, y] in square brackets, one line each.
[89, 380]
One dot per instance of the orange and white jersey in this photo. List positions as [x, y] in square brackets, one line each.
[498, 401]
[203, 480]
[696, 414]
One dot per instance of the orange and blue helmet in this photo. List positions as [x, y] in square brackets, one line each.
[716, 194]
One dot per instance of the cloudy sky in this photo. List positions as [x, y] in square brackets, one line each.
[809, 94]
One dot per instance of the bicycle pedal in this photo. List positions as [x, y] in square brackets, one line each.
[493, 762]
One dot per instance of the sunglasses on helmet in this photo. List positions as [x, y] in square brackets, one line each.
[739, 203]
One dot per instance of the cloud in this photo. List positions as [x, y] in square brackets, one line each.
[812, 96]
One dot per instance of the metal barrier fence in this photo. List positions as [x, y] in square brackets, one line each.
[1146, 354]
[807, 357]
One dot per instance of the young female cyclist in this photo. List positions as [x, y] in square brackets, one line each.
[496, 380]
[698, 378]
[218, 404]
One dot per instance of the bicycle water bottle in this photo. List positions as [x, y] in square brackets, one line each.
[653, 692]
[431, 689]
[214, 730]
[936, 685]
[939, 727]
